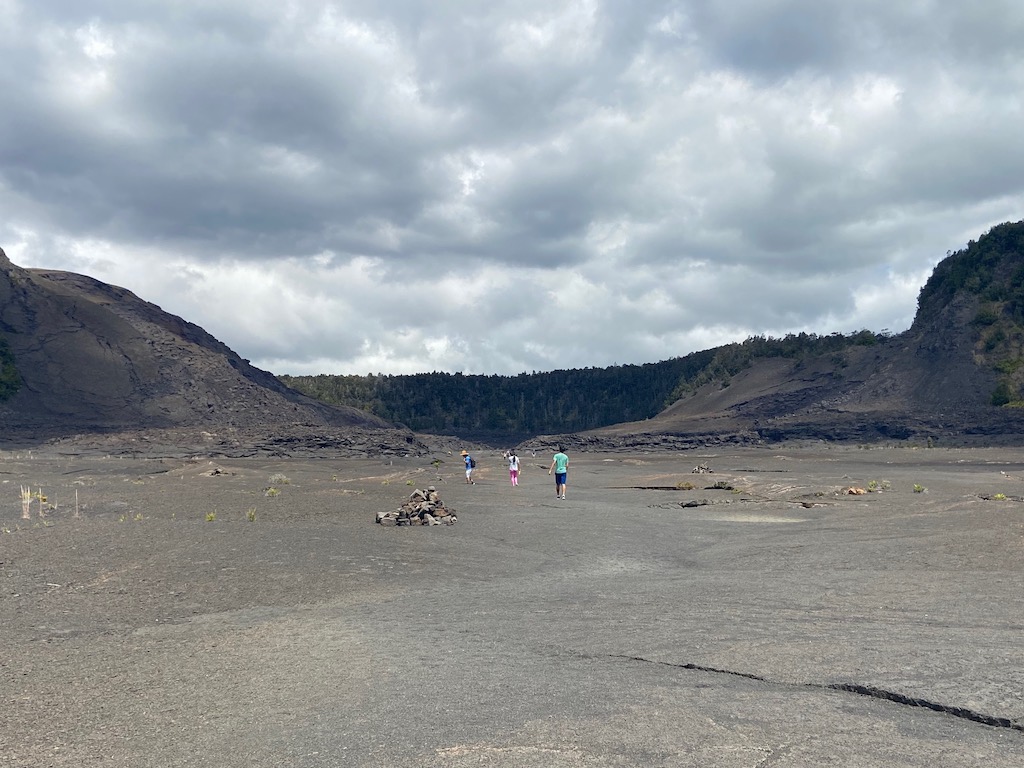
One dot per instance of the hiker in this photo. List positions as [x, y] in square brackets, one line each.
[470, 466]
[513, 468]
[560, 466]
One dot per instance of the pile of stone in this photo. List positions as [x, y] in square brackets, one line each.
[422, 508]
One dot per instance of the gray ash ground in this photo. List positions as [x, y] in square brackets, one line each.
[189, 617]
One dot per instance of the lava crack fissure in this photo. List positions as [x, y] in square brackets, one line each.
[860, 690]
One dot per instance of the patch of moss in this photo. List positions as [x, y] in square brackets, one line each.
[1004, 393]
[10, 379]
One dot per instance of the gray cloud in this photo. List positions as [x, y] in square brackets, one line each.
[368, 186]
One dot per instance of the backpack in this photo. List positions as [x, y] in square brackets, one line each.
[472, 463]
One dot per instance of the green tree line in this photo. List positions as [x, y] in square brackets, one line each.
[556, 401]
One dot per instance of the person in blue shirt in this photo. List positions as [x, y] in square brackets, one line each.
[469, 467]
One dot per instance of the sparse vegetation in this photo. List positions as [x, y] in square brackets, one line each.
[250, 515]
[685, 485]
[10, 379]
[990, 272]
[279, 478]
[1005, 392]
[919, 488]
[26, 502]
[27, 497]
[1009, 366]
[211, 517]
[270, 492]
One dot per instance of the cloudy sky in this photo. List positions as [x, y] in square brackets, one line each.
[400, 186]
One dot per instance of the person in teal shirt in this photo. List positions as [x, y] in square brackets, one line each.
[560, 466]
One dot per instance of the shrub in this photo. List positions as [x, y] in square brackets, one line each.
[1004, 393]
[10, 379]
[986, 316]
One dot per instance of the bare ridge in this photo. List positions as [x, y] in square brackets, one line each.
[81, 355]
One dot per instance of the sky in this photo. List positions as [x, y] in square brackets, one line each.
[392, 186]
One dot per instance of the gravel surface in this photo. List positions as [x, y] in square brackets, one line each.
[775, 621]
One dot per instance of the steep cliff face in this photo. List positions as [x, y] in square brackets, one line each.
[943, 378]
[93, 356]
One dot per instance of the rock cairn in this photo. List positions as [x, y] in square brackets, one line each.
[422, 508]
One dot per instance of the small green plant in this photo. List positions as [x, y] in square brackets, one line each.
[872, 486]
[409, 483]
[279, 479]
[211, 516]
[271, 492]
[721, 485]
[685, 485]
[919, 488]
[251, 515]
[138, 517]
[122, 518]
[999, 497]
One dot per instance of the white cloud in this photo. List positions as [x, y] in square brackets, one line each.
[503, 187]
